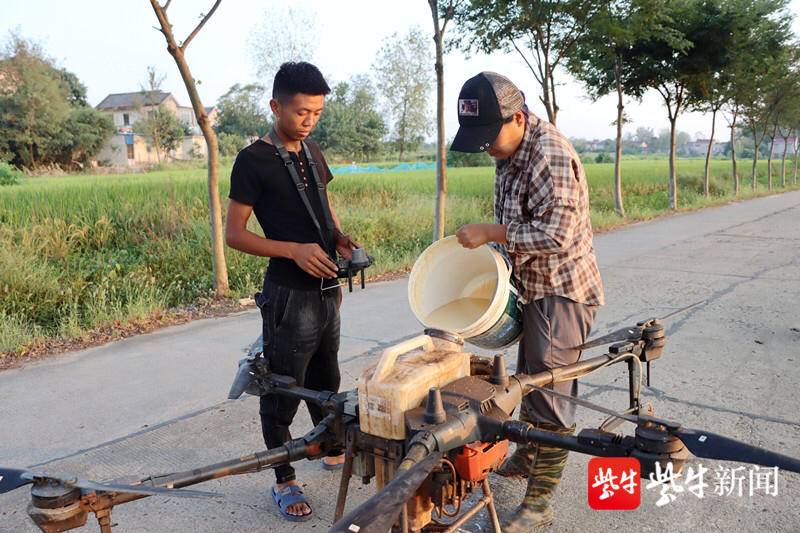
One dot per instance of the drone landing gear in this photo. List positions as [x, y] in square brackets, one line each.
[104, 519]
[487, 501]
[451, 483]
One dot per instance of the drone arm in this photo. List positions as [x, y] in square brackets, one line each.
[524, 433]
[293, 450]
[566, 373]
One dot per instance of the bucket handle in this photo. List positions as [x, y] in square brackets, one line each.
[391, 354]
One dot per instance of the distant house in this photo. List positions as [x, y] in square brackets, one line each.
[127, 148]
[699, 147]
[791, 144]
[595, 145]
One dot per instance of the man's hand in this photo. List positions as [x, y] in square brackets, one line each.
[345, 245]
[474, 235]
[313, 259]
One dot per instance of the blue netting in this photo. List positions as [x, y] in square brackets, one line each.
[362, 169]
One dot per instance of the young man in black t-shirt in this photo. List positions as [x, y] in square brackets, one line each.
[300, 298]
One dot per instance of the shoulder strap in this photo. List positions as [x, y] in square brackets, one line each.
[321, 188]
[287, 161]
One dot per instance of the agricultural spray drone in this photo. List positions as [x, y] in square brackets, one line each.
[455, 435]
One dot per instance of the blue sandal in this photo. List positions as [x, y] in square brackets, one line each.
[290, 495]
[326, 466]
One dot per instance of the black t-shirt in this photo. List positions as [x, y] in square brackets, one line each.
[260, 179]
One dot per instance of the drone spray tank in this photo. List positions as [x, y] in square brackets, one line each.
[402, 377]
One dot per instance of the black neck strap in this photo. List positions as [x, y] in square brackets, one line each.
[323, 196]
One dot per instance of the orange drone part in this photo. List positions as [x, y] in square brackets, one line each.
[476, 460]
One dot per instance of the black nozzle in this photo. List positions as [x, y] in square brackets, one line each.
[434, 409]
[499, 374]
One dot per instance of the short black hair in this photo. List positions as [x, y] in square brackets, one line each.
[298, 77]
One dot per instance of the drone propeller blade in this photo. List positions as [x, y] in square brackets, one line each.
[377, 514]
[631, 333]
[713, 446]
[701, 443]
[13, 478]
[682, 309]
[140, 489]
[625, 334]
[587, 404]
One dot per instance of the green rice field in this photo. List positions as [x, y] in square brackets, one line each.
[81, 252]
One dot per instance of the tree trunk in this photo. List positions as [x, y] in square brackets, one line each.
[553, 104]
[402, 132]
[753, 177]
[783, 161]
[221, 285]
[796, 150]
[618, 204]
[548, 83]
[546, 98]
[769, 158]
[733, 156]
[441, 152]
[219, 264]
[708, 152]
[673, 179]
[157, 146]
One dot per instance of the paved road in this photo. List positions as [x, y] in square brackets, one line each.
[156, 403]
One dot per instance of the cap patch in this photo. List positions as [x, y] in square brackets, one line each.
[468, 107]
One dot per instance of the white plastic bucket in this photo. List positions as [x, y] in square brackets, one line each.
[466, 292]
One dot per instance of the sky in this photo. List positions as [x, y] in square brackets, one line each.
[110, 43]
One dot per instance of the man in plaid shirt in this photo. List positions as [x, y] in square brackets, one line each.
[541, 209]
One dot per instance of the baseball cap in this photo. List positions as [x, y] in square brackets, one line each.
[484, 103]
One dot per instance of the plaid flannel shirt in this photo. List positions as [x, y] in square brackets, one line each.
[542, 197]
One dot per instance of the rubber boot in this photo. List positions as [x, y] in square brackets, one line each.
[536, 512]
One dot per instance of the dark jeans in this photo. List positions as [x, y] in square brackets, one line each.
[301, 339]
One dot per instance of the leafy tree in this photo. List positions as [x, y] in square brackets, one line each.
[241, 111]
[708, 90]
[33, 103]
[84, 133]
[542, 32]
[763, 93]
[162, 128]
[404, 79]
[759, 30]
[285, 33]
[351, 126]
[230, 143]
[44, 119]
[786, 96]
[599, 61]
[670, 67]
[76, 91]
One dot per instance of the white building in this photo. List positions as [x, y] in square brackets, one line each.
[127, 148]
